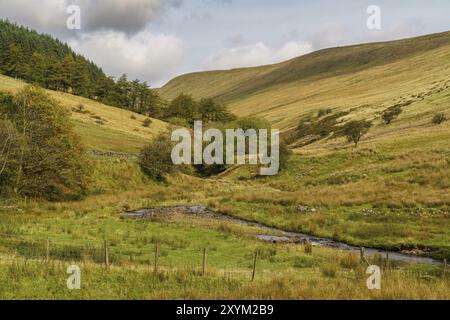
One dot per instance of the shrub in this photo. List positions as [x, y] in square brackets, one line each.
[439, 118]
[155, 158]
[308, 248]
[329, 270]
[147, 122]
[391, 114]
[350, 261]
[324, 112]
[311, 130]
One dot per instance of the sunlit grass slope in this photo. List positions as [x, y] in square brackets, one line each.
[102, 127]
[400, 172]
[366, 79]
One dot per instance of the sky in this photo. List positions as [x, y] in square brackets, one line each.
[155, 40]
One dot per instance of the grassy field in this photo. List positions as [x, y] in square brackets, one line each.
[77, 231]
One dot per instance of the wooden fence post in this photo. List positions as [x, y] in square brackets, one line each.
[106, 255]
[156, 257]
[47, 251]
[254, 266]
[445, 268]
[362, 254]
[204, 262]
[387, 260]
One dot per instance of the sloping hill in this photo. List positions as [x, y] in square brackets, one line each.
[364, 79]
[102, 127]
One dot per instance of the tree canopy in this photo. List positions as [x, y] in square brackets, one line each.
[44, 61]
[45, 158]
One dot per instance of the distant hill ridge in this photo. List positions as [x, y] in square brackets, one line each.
[229, 85]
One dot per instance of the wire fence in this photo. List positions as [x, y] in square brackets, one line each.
[103, 253]
[154, 256]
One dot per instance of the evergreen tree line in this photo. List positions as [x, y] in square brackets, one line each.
[47, 62]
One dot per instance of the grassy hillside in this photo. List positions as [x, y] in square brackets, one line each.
[400, 172]
[368, 78]
[102, 127]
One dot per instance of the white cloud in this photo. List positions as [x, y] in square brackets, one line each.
[257, 54]
[121, 15]
[146, 56]
[113, 33]
[45, 15]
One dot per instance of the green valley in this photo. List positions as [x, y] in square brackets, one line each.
[391, 192]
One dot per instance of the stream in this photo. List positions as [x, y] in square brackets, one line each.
[275, 235]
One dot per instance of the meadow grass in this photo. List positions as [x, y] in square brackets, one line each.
[283, 271]
[39, 280]
[77, 231]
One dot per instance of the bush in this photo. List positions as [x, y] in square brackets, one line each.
[308, 248]
[147, 122]
[350, 261]
[311, 130]
[155, 158]
[51, 163]
[439, 118]
[329, 270]
[324, 112]
[391, 114]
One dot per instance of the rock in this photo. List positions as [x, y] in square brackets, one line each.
[306, 209]
[369, 212]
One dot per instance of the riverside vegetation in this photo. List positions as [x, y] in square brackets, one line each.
[391, 191]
